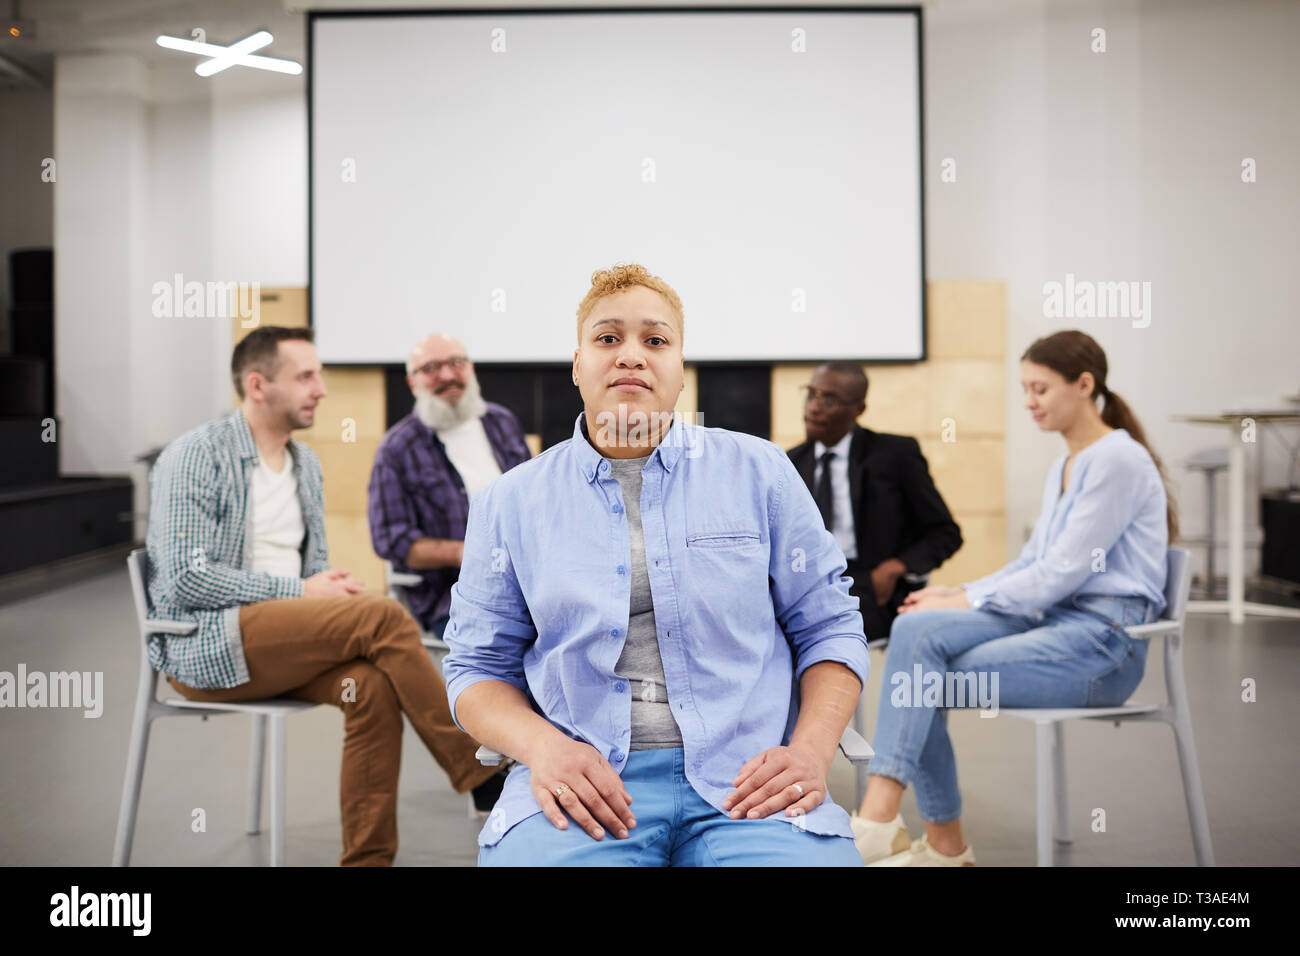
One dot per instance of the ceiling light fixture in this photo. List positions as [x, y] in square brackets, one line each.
[237, 54]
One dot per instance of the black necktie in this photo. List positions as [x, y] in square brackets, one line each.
[825, 504]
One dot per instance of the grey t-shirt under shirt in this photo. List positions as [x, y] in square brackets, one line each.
[653, 725]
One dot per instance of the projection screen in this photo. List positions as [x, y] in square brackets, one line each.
[469, 171]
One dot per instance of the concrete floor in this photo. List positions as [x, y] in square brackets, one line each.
[62, 774]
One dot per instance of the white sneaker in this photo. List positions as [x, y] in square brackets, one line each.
[878, 841]
[920, 853]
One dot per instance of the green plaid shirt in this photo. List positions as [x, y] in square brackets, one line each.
[200, 544]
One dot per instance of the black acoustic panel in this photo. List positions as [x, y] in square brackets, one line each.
[31, 276]
[25, 459]
[561, 404]
[22, 387]
[398, 400]
[64, 519]
[736, 397]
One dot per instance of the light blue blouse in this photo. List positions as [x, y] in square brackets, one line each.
[1107, 534]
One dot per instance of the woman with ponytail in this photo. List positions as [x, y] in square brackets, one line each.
[1047, 630]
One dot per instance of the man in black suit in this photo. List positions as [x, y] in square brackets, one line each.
[875, 494]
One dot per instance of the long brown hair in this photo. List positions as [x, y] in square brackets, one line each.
[1072, 353]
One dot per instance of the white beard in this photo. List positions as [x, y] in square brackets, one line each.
[440, 415]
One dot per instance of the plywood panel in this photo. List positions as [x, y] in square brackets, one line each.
[354, 405]
[966, 320]
[983, 550]
[349, 543]
[346, 469]
[968, 473]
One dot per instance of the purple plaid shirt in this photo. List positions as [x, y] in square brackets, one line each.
[416, 492]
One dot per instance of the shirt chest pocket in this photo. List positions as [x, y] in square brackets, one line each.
[724, 540]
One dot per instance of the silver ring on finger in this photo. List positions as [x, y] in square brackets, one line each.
[798, 788]
[562, 789]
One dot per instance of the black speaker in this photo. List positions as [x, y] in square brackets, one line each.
[31, 334]
[31, 276]
[1279, 555]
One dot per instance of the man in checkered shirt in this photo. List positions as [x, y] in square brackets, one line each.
[237, 545]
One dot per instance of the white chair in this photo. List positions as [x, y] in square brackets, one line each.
[396, 583]
[1053, 816]
[148, 708]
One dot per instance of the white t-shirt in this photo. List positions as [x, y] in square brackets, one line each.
[277, 520]
[471, 454]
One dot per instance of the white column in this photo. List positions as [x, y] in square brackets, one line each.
[1236, 525]
[100, 152]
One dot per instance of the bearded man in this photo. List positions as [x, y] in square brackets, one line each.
[428, 468]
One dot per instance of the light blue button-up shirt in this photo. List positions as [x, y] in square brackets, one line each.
[1107, 534]
[748, 592]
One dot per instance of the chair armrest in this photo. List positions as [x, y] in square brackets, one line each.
[169, 627]
[488, 757]
[1154, 629]
[855, 747]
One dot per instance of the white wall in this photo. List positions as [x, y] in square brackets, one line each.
[1125, 165]
[161, 172]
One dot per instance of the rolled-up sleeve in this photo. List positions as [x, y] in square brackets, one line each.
[810, 594]
[490, 627]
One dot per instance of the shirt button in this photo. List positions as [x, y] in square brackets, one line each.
[618, 509]
[613, 632]
[616, 756]
[621, 569]
[618, 686]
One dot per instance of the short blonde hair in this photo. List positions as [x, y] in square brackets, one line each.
[621, 277]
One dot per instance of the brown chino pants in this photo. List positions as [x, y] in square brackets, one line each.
[361, 653]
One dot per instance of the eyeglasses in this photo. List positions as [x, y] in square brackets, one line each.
[827, 400]
[433, 368]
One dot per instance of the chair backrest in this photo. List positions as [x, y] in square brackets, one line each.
[137, 568]
[1178, 580]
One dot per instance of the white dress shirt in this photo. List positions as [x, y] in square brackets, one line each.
[842, 501]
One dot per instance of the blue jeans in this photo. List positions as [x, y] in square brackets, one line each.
[675, 826]
[1077, 655]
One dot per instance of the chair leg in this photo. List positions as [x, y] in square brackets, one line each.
[256, 763]
[1043, 767]
[1186, 744]
[135, 757]
[277, 789]
[1058, 784]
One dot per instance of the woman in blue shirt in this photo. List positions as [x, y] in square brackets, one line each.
[1047, 630]
[633, 612]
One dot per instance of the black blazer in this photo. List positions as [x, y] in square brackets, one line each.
[897, 511]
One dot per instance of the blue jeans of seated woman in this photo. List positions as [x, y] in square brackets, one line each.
[675, 826]
[1076, 655]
